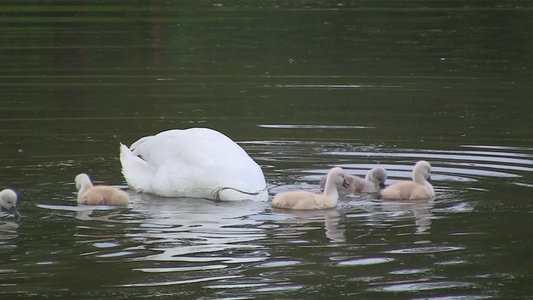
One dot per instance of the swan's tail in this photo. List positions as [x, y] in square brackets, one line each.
[233, 194]
[137, 172]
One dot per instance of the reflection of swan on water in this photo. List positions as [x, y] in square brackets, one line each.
[334, 231]
[421, 209]
[199, 230]
[163, 229]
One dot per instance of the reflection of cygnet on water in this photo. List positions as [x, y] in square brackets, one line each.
[8, 230]
[333, 230]
[421, 209]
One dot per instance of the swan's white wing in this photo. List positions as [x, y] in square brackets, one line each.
[137, 172]
[196, 162]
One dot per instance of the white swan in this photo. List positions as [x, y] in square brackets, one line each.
[88, 194]
[192, 163]
[418, 188]
[373, 182]
[308, 200]
[8, 201]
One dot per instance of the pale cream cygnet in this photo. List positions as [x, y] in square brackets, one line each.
[88, 194]
[308, 200]
[8, 201]
[418, 188]
[372, 183]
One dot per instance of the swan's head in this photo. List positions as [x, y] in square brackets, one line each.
[378, 176]
[82, 180]
[8, 201]
[336, 175]
[422, 168]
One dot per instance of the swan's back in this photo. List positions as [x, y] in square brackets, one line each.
[189, 146]
[407, 190]
[195, 162]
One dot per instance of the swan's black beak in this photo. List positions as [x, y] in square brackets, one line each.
[15, 212]
[429, 179]
[345, 184]
[382, 185]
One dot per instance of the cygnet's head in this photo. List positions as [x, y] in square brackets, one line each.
[8, 201]
[424, 169]
[337, 175]
[378, 175]
[81, 180]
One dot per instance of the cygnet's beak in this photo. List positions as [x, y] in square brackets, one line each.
[345, 184]
[382, 185]
[429, 179]
[15, 212]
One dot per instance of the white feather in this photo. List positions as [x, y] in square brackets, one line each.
[193, 163]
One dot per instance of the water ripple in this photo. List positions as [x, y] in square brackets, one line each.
[422, 286]
[175, 282]
[365, 261]
[424, 250]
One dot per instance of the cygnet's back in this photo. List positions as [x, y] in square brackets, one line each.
[372, 183]
[418, 188]
[100, 194]
[308, 200]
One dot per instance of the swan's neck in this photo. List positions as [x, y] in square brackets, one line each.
[331, 192]
[429, 186]
[85, 186]
[373, 183]
[419, 178]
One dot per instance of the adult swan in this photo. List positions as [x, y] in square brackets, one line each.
[192, 163]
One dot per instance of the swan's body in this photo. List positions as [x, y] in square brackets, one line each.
[308, 200]
[8, 201]
[88, 194]
[418, 188]
[372, 183]
[192, 163]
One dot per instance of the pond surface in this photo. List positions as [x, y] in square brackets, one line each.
[301, 86]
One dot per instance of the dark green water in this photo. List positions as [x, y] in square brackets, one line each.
[302, 86]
